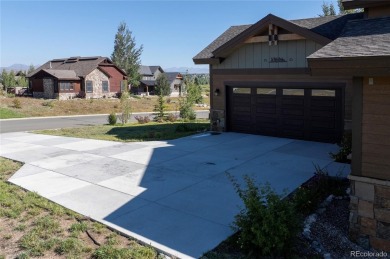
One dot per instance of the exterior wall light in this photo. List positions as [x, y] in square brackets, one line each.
[217, 92]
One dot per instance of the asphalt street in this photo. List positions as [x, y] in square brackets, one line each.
[27, 124]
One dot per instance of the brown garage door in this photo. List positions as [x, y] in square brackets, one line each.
[301, 113]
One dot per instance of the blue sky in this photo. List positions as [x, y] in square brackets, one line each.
[171, 32]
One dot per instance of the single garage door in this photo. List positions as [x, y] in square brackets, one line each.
[299, 113]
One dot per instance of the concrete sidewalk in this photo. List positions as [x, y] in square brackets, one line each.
[173, 195]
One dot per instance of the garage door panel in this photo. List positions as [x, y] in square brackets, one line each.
[323, 124]
[265, 110]
[315, 102]
[325, 114]
[266, 100]
[296, 112]
[292, 101]
[293, 113]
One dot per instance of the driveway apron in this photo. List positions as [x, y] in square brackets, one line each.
[173, 195]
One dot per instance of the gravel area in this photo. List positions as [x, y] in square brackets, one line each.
[327, 229]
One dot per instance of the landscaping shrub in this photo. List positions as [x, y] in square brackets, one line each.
[183, 128]
[186, 111]
[17, 103]
[171, 117]
[268, 225]
[159, 109]
[345, 149]
[125, 107]
[49, 104]
[142, 119]
[112, 119]
[309, 195]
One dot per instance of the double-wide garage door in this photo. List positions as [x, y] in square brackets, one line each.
[301, 113]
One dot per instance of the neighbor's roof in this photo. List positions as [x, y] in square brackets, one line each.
[81, 66]
[171, 76]
[62, 74]
[361, 38]
[149, 70]
[329, 27]
[148, 82]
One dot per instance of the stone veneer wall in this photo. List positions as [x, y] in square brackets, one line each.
[97, 77]
[370, 212]
[67, 96]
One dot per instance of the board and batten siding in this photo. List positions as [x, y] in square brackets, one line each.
[376, 128]
[259, 55]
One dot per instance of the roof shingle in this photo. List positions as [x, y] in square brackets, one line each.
[361, 38]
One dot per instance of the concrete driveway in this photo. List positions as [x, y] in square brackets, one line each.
[174, 194]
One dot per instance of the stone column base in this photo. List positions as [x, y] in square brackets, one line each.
[369, 215]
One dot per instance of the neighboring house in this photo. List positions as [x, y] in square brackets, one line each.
[149, 75]
[175, 80]
[86, 77]
[312, 79]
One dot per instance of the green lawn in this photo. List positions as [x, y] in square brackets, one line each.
[32, 226]
[134, 131]
[7, 114]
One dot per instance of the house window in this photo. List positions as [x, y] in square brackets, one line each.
[89, 87]
[266, 91]
[242, 90]
[66, 86]
[105, 86]
[331, 93]
[295, 92]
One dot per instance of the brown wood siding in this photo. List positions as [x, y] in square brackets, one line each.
[76, 86]
[376, 128]
[37, 84]
[375, 12]
[115, 78]
[218, 82]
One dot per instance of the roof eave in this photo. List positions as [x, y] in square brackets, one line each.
[354, 4]
[205, 61]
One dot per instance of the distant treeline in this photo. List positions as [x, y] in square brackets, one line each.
[201, 79]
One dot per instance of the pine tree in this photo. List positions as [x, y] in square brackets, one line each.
[162, 85]
[126, 55]
[159, 109]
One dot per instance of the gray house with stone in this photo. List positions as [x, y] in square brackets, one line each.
[84, 77]
[149, 75]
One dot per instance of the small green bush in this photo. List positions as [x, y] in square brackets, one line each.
[186, 111]
[17, 103]
[268, 224]
[112, 119]
[345, 149]
[49, 104]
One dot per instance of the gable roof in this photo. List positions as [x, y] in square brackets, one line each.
[80, 66]
[62, 74]
[149, 70]
[171, 76]
[321, 29]
[361, 38]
